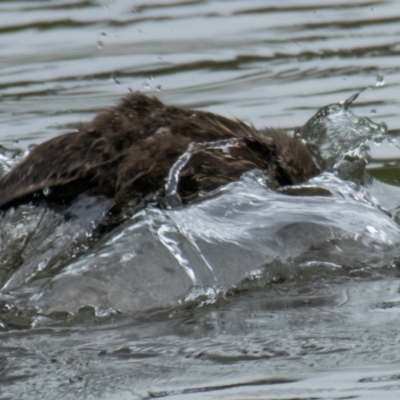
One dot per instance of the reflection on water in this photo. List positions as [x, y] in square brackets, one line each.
[248, 293]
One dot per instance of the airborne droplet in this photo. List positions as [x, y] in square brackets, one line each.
[380, 81]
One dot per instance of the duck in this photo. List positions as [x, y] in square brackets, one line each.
[141, 151]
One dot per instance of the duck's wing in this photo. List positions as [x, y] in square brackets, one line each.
[295, 162]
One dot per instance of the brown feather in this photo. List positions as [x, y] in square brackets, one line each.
[127, 151]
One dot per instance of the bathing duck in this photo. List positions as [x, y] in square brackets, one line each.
[142, 150]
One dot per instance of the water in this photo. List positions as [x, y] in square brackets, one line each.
[249, 293]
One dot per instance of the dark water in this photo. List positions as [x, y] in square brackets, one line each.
[249, 294]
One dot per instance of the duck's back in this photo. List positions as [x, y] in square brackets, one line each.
[127, 152]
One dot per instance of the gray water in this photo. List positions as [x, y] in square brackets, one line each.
[250, 293]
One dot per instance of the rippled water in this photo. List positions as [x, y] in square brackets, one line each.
[249, 293]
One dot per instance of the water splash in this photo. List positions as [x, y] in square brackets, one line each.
[243, 232]
[165, 233]
[338, 139]
[172, 198]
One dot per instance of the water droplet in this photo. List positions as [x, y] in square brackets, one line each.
[99, 44]
[47, 191]
[383, 127]
[158, 88]
[380, 81]
[373, 111]
[103, 34]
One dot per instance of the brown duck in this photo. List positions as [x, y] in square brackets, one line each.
[127, 152]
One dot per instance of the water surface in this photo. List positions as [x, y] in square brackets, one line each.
[247, 294]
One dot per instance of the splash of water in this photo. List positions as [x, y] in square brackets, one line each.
[172, 198]
[338, 139]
